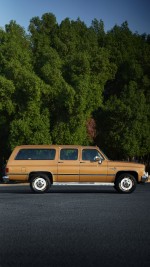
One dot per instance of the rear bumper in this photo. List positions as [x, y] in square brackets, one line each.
[5, 179]
[144, 178]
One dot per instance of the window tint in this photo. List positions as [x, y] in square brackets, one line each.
[36, 154]
[69, 154]
[90, 154]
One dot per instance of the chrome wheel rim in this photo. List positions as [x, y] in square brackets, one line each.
[126, 184]
[39, 184]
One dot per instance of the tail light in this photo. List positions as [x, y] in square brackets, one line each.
[7, 170]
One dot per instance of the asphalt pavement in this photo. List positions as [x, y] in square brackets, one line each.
[74, 226]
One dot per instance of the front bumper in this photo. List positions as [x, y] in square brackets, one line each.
[5, 179]
[144, 178]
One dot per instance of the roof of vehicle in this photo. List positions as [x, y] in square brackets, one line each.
[53, 146]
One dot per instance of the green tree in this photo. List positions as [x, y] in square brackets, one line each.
[25, 100]
[60, 80]
[75, 70]
[123, 122]
[123, 128]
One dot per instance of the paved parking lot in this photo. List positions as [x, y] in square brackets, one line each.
[74, 226]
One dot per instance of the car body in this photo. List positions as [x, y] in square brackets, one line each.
[45, 165]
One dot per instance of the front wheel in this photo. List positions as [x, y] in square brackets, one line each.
[125, 183]
[40, 183]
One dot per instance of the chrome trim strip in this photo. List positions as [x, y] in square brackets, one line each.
[86, 174]
[22, 173]
[65, 174]
[82, 183]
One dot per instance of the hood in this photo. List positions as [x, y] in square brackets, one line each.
[127, 164]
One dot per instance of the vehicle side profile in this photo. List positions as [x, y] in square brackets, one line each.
[45, 165]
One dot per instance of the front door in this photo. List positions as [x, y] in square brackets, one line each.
[68, 165]
[91, 170]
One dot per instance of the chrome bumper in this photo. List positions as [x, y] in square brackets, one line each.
[144, 178]
[5, 179]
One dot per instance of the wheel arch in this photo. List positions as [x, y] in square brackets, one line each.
[33, 173]
[134, 173]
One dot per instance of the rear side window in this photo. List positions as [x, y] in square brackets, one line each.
[69, 154]
[36, 154]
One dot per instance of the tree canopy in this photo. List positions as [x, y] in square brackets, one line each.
[69, 83]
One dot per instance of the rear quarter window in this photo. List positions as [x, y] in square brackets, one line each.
[36, 154]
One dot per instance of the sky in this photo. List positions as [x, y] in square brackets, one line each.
[112, 12]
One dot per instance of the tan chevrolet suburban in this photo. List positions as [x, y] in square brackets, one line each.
[46, 165]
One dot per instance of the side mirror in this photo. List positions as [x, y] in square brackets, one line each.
[99, 159]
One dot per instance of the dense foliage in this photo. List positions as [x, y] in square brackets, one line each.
[74, 84]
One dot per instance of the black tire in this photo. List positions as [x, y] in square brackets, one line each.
[40, 183]
[125, 183]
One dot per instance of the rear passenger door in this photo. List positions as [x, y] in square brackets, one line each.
[68, 165]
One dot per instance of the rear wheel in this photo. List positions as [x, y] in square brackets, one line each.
[125, 183]
[40, 183]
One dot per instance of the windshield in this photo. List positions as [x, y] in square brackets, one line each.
[103, 154]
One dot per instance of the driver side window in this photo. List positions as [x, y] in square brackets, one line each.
[90, 154]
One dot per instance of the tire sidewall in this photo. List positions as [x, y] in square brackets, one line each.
[119, 180]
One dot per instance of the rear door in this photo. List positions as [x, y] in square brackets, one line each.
[68, 165]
